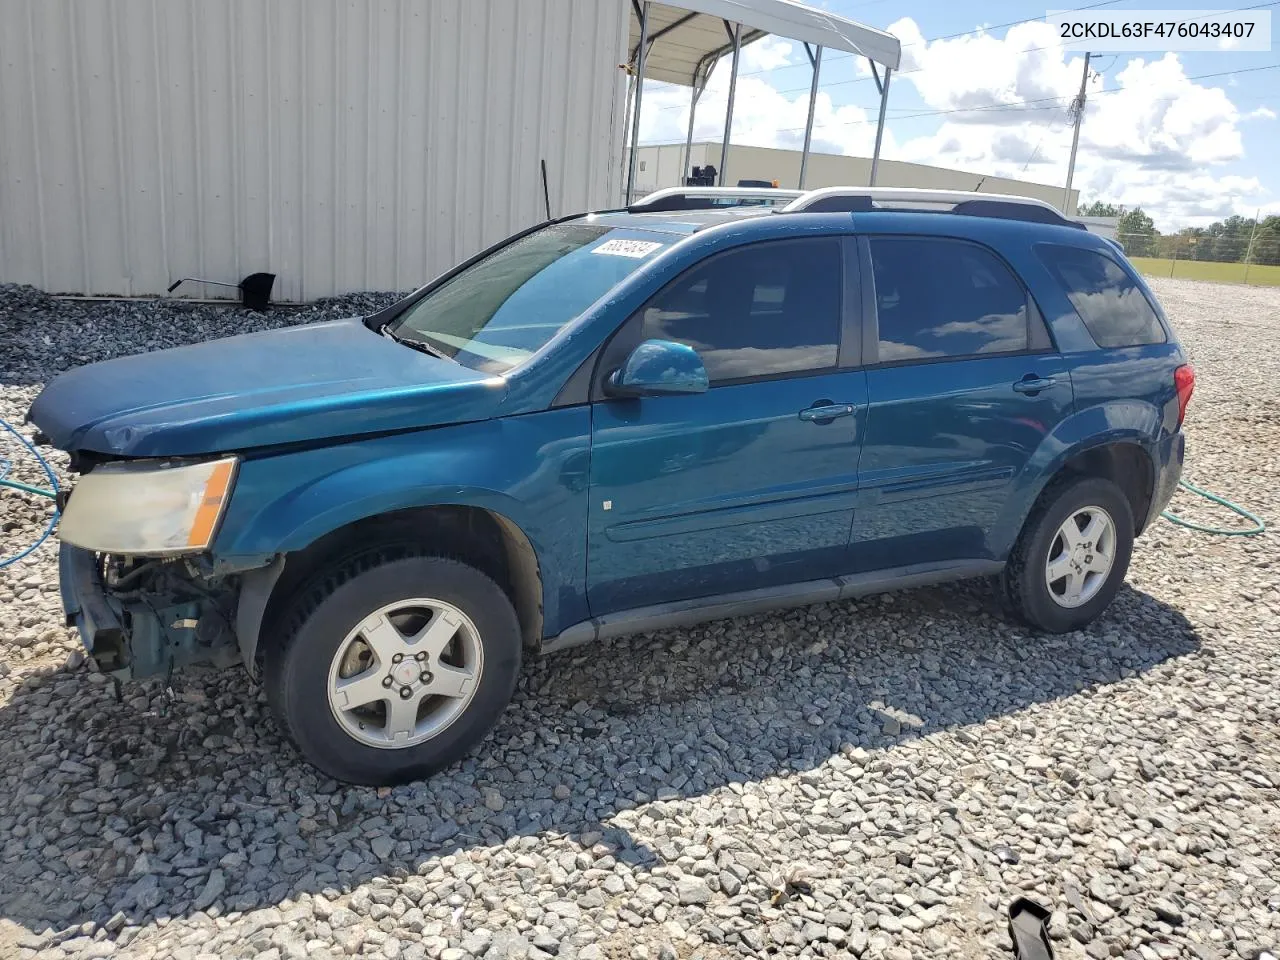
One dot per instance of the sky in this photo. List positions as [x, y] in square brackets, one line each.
[1189, 137]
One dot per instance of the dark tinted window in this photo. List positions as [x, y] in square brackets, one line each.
[763, 310]
[945, 298]
[1108, 301]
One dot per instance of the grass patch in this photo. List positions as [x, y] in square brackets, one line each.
[1259, 274]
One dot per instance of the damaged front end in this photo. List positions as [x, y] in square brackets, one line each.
[138, 575]
[142, 617]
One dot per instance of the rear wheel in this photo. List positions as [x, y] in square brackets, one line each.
[394, 666]
[1072, 555]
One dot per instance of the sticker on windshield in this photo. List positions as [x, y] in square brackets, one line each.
[636, 249]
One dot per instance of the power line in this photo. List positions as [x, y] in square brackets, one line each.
[953, 36]
[989, 29]
[1054, 128]
[902, 73]
[841, 83]
[1014, 105]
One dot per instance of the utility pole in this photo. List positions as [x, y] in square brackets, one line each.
[1077, 112]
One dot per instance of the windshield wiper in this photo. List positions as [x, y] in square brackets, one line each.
[420, 345]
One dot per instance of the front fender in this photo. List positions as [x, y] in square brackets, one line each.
[531, 470]
[1119, 421]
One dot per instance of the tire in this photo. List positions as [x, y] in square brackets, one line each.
[1076, 600]
[393, 666]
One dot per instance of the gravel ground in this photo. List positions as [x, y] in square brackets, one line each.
[870, 779]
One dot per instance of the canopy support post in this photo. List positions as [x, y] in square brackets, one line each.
[815, 59]
[736, 34]
[884, 102]
[694, 94]
[635, 115]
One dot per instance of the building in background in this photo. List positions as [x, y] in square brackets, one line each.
[660, 166]
[1103, 226]
[342, 146]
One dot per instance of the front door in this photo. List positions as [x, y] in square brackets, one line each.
[966, 387]
[751, 484]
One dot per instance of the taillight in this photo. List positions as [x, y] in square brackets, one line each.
[1184, 381]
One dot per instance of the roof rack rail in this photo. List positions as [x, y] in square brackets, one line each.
[713, 198]
[865, 199]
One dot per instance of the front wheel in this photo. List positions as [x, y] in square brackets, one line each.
[393, 666]
[1072, 555]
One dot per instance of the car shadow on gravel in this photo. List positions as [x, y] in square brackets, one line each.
[161, 809]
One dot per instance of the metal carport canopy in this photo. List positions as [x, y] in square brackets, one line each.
[680, 42]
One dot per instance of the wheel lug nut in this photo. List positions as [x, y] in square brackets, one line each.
[405, 693]
[425, 677]
[420, 655]
[386, 681]
[397, 658]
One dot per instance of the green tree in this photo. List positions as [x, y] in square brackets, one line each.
[1266, 242]
[1195, 243]
[1137, 233]
[1100, 209]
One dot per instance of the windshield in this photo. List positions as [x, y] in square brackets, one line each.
[501, 310]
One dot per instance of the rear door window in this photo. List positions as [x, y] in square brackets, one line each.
[1112, 306]
[938, 298]
[764, 310]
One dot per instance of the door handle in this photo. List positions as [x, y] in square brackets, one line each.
[826, 412]
[1031, 384]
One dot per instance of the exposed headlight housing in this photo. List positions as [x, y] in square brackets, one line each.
[149, 508]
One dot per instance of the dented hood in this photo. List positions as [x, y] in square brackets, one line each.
[292, 385]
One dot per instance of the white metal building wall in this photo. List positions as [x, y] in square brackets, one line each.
[341, 144]
[662, 169]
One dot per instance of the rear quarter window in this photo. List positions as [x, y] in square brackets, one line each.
[1113, 307]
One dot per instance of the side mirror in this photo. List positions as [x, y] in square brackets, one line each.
[657, 368]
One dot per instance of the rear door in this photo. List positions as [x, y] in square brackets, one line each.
[751, 484]
[964, 386]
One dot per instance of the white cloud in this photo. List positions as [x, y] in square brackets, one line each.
[762, 116]
[981, 71]
[1161, 120]
[1151, 136]
[767, 53]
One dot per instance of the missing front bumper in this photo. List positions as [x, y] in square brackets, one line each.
[147, 630]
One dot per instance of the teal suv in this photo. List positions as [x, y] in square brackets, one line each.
[617, 422]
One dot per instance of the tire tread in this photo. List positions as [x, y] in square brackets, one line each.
[1018, 588]
[308, 597]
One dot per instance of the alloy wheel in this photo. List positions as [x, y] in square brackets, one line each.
[405, 673]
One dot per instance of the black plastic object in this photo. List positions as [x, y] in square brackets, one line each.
[1029, 928]
[678, 202]
[701, 177]
[836, 203]
[546, 191]
[255, 289]
[1007, 210]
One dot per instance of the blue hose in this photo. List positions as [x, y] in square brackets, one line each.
[1259, 526]
[52, 492]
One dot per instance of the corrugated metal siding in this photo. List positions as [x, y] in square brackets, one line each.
[662, 169]
[341, 144]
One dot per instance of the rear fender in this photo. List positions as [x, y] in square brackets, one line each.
[1119, 421]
